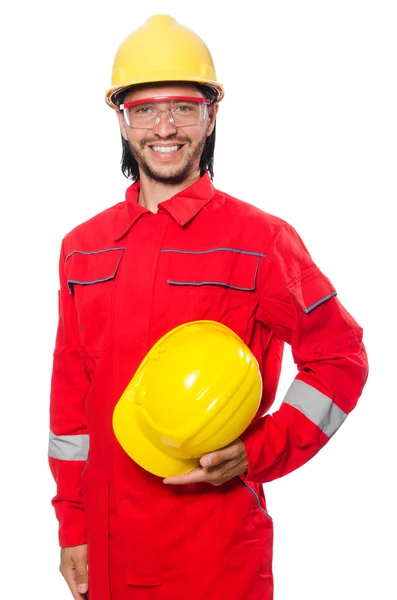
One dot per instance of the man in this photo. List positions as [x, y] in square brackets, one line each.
[175, 251]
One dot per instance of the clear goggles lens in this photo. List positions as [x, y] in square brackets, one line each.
[181, 112]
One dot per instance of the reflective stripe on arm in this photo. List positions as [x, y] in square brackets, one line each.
[69, 447]
[317, 407]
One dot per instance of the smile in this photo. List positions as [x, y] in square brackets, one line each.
[166, 149]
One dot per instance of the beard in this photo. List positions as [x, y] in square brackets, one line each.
[169, 175]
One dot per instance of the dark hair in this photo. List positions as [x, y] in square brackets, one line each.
[129, 166]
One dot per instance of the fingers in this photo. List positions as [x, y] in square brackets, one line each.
[216, 475]
[230, 452]
[81, 574]
[197, 475]
[217, 467]
[74, 569]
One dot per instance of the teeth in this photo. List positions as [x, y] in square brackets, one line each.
[165, 149]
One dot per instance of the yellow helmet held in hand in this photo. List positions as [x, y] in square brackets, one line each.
[196, 391]
[162, 50]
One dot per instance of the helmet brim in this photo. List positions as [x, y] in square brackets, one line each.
[140, 449]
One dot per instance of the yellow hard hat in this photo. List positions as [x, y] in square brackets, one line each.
[162, 50]
[197, 390]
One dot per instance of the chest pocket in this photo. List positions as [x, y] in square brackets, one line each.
[217, 284]
[90, 277]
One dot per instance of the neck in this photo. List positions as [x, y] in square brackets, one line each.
[151, 192]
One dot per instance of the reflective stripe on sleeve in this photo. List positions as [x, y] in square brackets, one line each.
[69, 447]
[313, 306]
[317, 407]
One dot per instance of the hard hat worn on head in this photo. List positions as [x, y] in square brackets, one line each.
[196, 391]
[162, 50]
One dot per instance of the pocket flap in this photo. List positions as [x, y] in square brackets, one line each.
[228, 267]
[311, 289]
[87, 268]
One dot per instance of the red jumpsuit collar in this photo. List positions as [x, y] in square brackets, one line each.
[183, 207]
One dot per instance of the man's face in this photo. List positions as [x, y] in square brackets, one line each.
[146, 144]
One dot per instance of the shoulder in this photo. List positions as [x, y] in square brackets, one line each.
[97, 232]
[251, 219]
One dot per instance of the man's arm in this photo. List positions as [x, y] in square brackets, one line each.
[298, 303]
[69, 439]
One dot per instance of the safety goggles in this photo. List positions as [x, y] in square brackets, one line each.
[182, 111]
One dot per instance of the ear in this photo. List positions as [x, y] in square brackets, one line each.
[212, 119]
[122, 125]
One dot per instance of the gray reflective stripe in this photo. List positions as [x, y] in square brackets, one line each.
[312, 306]
[72, 282]
[227, 285]
[317, 407]
[307, 310]
[215, 250]
[232, 287]
[95, 251]
[69, 447]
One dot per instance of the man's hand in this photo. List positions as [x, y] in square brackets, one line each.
[217, 467]
[74, 569]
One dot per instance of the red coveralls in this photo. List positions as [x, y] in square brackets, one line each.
[127, 277]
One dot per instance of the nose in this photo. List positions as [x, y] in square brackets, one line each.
[164, 124]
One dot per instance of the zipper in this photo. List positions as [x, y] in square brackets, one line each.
[255, 495]
[84, 468]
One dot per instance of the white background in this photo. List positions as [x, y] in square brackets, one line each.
[318, 149]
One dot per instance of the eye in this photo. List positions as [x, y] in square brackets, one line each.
[143, 110]
[184, 108]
